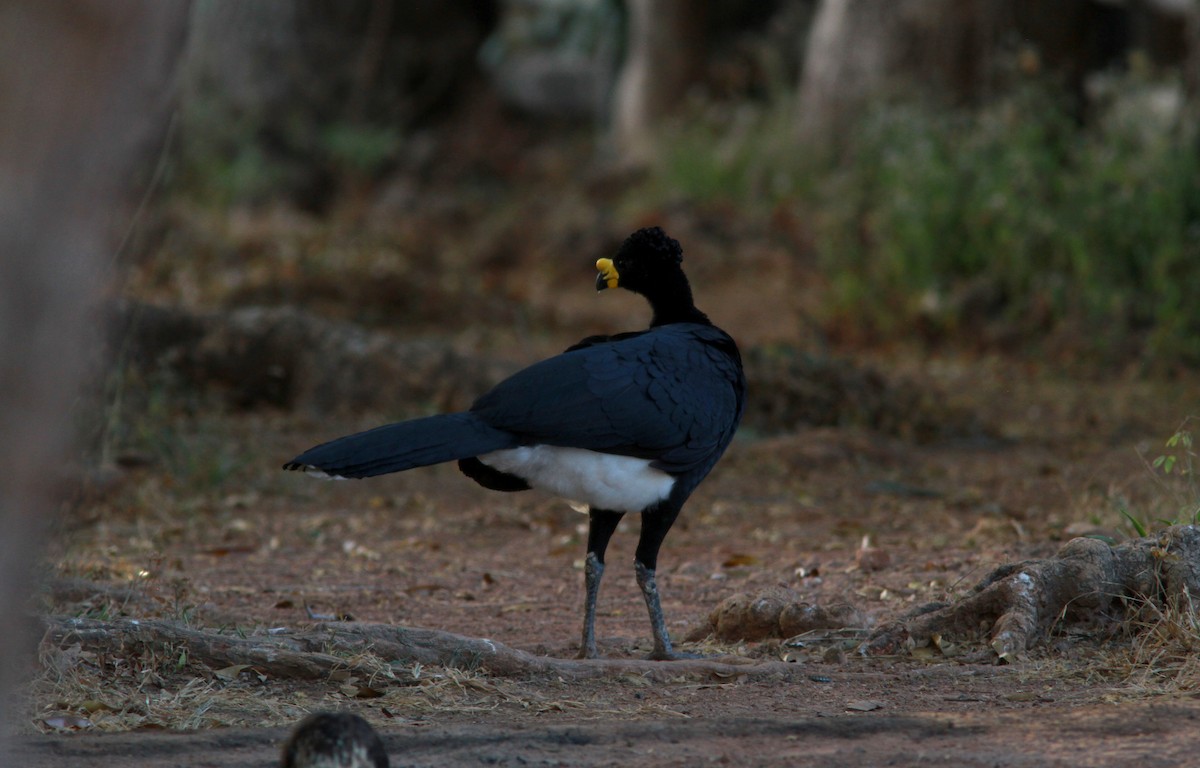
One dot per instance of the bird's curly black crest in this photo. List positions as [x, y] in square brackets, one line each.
[652, 241]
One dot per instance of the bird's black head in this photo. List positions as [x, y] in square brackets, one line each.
[334, 740]
[649, 262]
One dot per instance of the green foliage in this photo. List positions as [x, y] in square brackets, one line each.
[1139, 526]
[745, 155]
[360, 149]
[1181, 461]
[1177, 468]
[1096, 227]
[1013, 215]
[228, 158]
[933, 199]
[151, 417]
[219, 159]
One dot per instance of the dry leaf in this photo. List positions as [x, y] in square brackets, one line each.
[948, 649]
[367, 692]
[737, 561]
[94, 705]
[229, 550]
[864, 706]
[231, 672]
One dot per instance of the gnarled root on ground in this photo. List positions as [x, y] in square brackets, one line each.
[371, 651]
[1087, 581]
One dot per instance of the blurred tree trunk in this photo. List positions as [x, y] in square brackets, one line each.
[1191, 79]
[84, 100]
[269, 82]
[950, 50]
[384, 60]
[862, 49]
[734, 49]
[665, 47]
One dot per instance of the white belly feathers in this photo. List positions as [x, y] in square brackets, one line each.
[599, 480]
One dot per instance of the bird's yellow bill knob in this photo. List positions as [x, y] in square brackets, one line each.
[609, 277]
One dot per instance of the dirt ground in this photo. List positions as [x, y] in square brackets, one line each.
[1141, 734]
[428, 549]
[194, 523]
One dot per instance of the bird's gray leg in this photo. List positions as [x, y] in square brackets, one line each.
[655, 524]
[601, 525]
[658, 625]
[593, 570]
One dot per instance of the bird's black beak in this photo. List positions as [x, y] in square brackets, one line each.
[608, 277]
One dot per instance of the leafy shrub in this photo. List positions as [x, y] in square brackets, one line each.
[1013, 216]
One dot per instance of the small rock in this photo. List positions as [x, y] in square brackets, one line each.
[871, 559]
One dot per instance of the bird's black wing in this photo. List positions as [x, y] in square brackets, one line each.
[673, 394]
[602, 339]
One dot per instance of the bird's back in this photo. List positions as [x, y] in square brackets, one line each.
[673, 394]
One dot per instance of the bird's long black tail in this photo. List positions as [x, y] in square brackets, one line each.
[404, 445]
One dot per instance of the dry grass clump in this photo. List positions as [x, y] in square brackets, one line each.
[163, 686]
[75, 689]
[1164, 655]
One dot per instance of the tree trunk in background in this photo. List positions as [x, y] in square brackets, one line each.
[665, 46]
[1191, 79]
[862, 49]
[950, 50]
[269, 81]
[84, 98]
[269, 62]
[242, 54]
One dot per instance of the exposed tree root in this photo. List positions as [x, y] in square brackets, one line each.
[1087, 581]
[365, 648]
[1016, 606]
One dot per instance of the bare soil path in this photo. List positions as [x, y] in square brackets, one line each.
[429, 550]
[1141, 734]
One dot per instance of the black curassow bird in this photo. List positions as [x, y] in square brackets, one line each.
[624, 423]
[334, 740]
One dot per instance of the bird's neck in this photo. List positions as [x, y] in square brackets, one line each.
[692, 315]
[676, 306]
